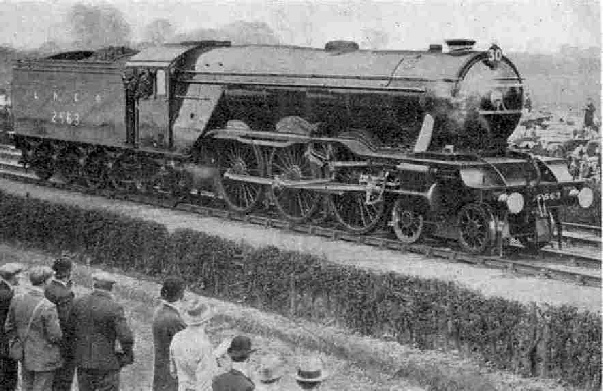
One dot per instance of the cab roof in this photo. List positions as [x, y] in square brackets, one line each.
[167, 54]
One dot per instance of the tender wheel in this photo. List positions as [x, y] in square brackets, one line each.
[290, 163]
[95, 170]
[130, 173]
[407, 223]
[42, 162]
[240, 159]
[70, 165]
[476, 228]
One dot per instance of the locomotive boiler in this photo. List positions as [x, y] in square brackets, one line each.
[414, 139]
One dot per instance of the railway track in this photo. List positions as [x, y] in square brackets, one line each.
[549, 263]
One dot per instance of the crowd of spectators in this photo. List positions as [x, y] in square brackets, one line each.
[54, 336]
[580, 147]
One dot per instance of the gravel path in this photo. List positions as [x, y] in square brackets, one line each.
[492, 282]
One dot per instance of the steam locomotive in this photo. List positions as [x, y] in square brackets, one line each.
[414, 139]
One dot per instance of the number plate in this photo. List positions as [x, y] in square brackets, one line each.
[555, 195]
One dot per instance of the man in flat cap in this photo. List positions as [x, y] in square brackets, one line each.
[59, 292]
[96, 323]
[8, 367]
[35, 320]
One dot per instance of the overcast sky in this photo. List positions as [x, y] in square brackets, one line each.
[516, 25]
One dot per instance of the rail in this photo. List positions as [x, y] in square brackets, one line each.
[525, 266]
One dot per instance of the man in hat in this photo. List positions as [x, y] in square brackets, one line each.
[34, 319]
[192, 358]
[8, 367]
[310, 373]
[96, 323]
[59, 292]
[166, 323]
[237, 378]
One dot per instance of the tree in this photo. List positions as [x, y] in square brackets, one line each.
[159, 31]
[93, 27]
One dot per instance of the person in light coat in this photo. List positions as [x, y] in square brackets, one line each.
[41, 353]
[193, 360]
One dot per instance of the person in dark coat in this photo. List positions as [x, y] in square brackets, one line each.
[59, 292]
[589, 114]
[237, 379]
[8, 367]
[96, 323]
[167, 321]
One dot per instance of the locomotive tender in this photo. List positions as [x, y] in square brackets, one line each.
[414, 138]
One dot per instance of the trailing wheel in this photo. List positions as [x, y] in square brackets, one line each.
[476, 227]
[240, 159]
[407, 223]
[42, 161]
[292, 164]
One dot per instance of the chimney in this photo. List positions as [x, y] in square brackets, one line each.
[435, 48]
[457, 45]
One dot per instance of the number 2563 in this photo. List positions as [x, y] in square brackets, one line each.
[65, 117]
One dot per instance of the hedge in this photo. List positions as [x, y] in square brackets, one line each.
[531, 340]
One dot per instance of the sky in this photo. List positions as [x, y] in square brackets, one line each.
[541, 26]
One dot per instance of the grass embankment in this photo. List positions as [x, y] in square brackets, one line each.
[355, 362]
[558, 342]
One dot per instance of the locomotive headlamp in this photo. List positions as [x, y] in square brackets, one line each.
[586, 197]
[514, 201]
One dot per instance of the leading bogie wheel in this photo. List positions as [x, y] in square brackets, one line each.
[240, 159]
[476, 228]
[291, 163]
[530, 241]
[407, 223]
